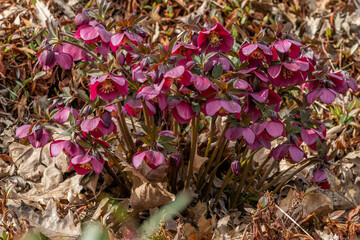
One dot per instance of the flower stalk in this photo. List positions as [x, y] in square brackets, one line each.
[194, 132]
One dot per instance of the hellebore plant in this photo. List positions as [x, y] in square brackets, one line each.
[205, 82]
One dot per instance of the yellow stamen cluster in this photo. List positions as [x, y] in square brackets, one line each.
[86, 165]
[107, 86]
[214, 39]
[257, 54]
[287, 73]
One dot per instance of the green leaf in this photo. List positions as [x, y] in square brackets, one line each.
[217, 71]
[84, 144]
[169, 147]
[354, 48]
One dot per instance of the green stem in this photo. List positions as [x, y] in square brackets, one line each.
[292, 175]
[213, 173]
[243, 178]
[256, 174]
[213, 155]
[266, 174]
[283, 173]
[146, 113]
[226, 181]
[194, 125]
[212, 128]
[125, 130]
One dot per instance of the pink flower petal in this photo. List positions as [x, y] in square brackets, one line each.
[138, 158]
[23, 131]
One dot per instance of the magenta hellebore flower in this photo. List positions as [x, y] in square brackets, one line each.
[255, 53]
[235, 133]
[178, 74]
[185, 50]
[152, 158]
[92, 33]
[99, 126]
[285, 74]
[265, 132]
[328, 89]
[108, 87]
[215, 61]
[286, 46]
[215, 39]
[49, 58]
[289, 151]
[320, 177]
[133, 107]
[221, 107]
[83, 164]
[63, 115]
[82, 18]
[309, 136]
[182, 111]
[38, 136]
[204, 86]
[121, 39]
[69, 148]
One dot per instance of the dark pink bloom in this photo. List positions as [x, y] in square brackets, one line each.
[182, 111]
[215, 61]
[99, 126]
[108, 87]
[69, 148]
[289, 151]
[265, 132]
[215, 39]
[255, 53]
[121, 39]
[76, 53]
[64, 113]
[138, 74]
[148, 92]
[235, 133]
[286, 46]
[38, 136]
[92, 33]
[152, 158]
[204, 86]
[309, 136]
[49, 58]
[221, 107]
[134, 107]
[285, 74]
[320, 177]
[83, 164]
[185, 50]
[178, 75]
[327, 89]
[82, 18]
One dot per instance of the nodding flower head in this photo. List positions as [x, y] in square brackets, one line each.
[152, 158]
[36, 135]
[108, 87]
[215, 39]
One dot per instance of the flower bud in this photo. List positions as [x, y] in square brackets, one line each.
[87, 110]
[82, 18]
[175, 160]
[235, 167]
[138, 142]
[47, 59]
[159, 147]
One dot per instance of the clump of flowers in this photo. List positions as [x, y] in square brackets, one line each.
[204, 82]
